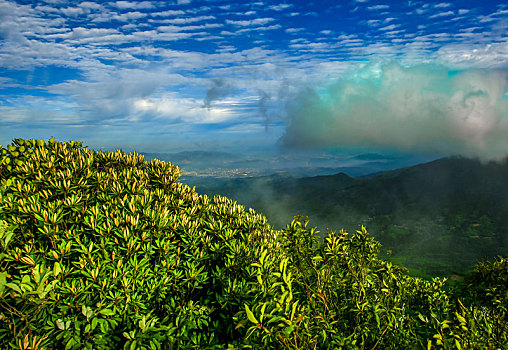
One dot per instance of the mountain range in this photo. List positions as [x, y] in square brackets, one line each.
[436, 218]
[199, 167]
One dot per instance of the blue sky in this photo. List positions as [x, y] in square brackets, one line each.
[428, 77]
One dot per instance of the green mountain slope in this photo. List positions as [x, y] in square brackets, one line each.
[437, 218]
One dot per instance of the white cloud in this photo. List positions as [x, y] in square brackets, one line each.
[176, 29]
[80, 32]
[378, 7]
[167, 13]
[254, 22]
[390, 27]
[46, 9]
[442, 14]
[280, 7]
[462, 55]
[191, 19]
[72, 11]
[90, 5]
[294, 30]
[272, 27]
[312, 47]
[128, 16]
[133, 5]
[173, 107]
[443, 5]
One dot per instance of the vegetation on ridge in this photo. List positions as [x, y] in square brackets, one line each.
[107, 251]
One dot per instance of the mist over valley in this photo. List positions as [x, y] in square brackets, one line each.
[201, 167]
[437, 218]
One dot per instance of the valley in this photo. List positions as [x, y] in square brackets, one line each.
[437, 218]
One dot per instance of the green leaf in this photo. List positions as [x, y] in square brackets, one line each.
[60, 324]
[126, 335]
[250, 315]
[70, 344]
[8, 238]
[295, 304]
[107, 312]
[461, 319]
[142, 324]
[3, 280]
[86, 311]
[94, 323]
[56, 269]
[103, 325]
[274, 319]
[262, 258]
[263, 308]
[14, 287]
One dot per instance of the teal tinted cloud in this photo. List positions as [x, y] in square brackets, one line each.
[423, 108]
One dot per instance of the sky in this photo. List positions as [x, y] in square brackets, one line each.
[421, 77]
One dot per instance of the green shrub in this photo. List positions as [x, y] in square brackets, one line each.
[108, 251]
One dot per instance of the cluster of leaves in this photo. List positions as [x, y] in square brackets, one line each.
[108, 251]
[487, 288]
[338, 294]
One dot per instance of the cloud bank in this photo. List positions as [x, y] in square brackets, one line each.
[425, 108]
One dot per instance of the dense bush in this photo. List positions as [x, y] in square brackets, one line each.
[108, 251]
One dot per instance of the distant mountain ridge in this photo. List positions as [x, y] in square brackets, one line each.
[439, 216]
[209, 165]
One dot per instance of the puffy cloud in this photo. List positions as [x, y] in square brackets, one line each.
[425, 108]
[171, 107]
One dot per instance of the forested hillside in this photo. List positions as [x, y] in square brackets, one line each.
[437, 218]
